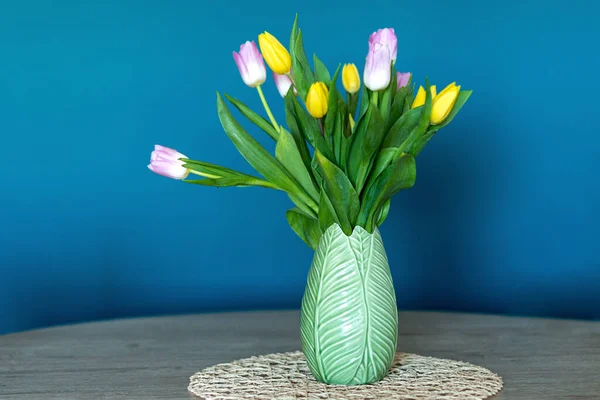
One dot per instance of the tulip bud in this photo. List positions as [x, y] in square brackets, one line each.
[386, 37]
[283, 83]
[276, 55]
[165, 161]
[377, 73]
[443, 103]
[402, 78]
[316, 100]
[420, 98]
[350, 78]
[251, 65]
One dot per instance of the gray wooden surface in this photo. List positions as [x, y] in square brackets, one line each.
[152, 358]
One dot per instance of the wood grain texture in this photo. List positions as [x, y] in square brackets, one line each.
[153, 358]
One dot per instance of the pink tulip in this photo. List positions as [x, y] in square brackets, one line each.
[377, 73]
[251, 65]
[165, 161]
[386, 37]
[402, 78]
[283, 83]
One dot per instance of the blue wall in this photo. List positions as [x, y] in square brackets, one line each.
[504, 217]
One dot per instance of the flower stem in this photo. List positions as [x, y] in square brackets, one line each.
[267, 109]
[204, 175]
[375, 98]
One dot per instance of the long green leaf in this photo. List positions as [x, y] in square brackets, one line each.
[401, 174]
[306, 227]
[327, 215]
[256, 119]
[388, 95]
[293, 36]
[259, 158]
[302, 204]
[303, 75]
[403, 127]
[383, 212]
[333, 100]
[340, 192]
[364, 146]
[311, 130]
[397, 107]
[349, 286]
[212, 170]
[365, 100]
[289, 156]
[292, 122]
[384, 158]
[321, 72]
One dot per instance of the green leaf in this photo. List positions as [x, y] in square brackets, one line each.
[403, 127]
[215, 175]
[321, 72]
[364, 145]
[295, 129]
[408, 129]
[330, 127]
[352, 100]
[211, 169]
[349, 285]
[383, 159]
[293, 36]
[303, 75]
[326, 212]
[255, 154]
[301, 204]
[339, 141]
[387, 95]
[340, 192]
[305, 226]
[401, 174]
[311, 130]
[289, 156]
[365, 100]
[397, 107]
[383, 212]
[256, 119]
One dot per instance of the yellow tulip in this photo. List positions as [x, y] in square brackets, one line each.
[443, 103]
[420, 98]
[350, 78]
[316, 99]
[433, 91]
[275, 54]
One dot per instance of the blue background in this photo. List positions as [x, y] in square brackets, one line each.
[504, 217]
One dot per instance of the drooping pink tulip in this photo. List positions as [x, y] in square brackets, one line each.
[251, 64]
[165, 161]
[377, 74]
[283, 83]
[386, 37]
[402, 78]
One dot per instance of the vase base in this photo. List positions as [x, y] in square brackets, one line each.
[286, 376]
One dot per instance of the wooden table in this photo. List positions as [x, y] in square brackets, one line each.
[153, 358]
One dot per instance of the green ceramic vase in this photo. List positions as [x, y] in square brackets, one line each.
[349, 319]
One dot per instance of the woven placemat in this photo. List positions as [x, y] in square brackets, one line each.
[285, 376]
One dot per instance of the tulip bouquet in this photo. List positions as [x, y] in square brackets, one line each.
[340, 157]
